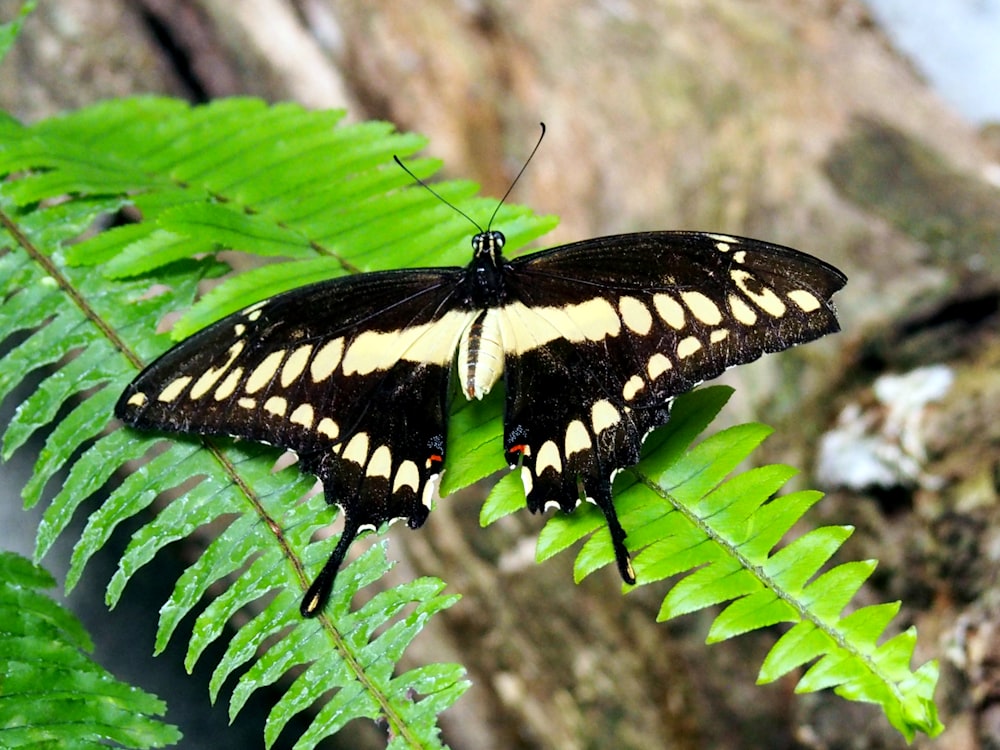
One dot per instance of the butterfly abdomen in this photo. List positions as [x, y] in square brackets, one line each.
[480, 356]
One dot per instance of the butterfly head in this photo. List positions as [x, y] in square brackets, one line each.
[489, 245]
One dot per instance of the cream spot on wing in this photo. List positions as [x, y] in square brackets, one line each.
[431, 343]
[702, 308]
[204, 384]
[247, 403]
[805, 300]
[239, 329]
[228, 386]
[380, 464]
[719, 334]
[632, 387]
[295, 364]
[670, 310]
[742, 311]
[303, 415]
[253, 316]
[407, 475]
[548, 458]
[687, 347]
[658, 364]
[206, 381]
[430, 490]
[326, 360]
[596, 319]
[577, 438]
[356, 449]
[276, 405]
[722, 247]
[635, 315]
[525, 328]
[527, 480]
[174, 389]
[762, 296]
[137, 399]
[264, 372]
[329, 428]
[723, 238]
[603, 415]
[551, 505]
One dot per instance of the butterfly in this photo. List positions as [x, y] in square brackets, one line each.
[593, 341]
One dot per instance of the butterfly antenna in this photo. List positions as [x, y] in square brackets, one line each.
[524, 167]
[437, 195]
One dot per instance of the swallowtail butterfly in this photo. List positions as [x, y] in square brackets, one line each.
[593, 340]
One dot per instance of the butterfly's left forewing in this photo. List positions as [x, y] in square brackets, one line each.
[351, 374]
[599, 336]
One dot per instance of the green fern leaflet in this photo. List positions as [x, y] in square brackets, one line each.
[51, 693]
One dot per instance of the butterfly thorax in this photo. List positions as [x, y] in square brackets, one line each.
[485, 274]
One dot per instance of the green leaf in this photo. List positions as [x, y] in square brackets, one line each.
[52, 692]
[475, 441]
[506, 497]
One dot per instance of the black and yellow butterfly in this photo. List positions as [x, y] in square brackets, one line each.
[593, 340]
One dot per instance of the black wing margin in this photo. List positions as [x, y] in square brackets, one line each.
[601, 335]
[351, 374]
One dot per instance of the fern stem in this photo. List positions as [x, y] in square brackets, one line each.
[68, 288]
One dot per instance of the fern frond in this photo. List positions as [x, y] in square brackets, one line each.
[51, 692]
[228, 175]
[685, 518]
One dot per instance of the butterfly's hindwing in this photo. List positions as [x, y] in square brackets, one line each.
[567, 431]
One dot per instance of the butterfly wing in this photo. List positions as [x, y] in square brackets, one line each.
[325, 371]
[599, 336]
